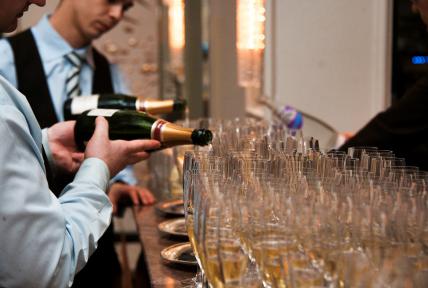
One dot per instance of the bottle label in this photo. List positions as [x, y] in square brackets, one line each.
[84, 103]
[156, 133]
[103, 112]
[139, 105]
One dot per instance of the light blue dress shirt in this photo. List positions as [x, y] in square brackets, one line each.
[52, 49]
[44, 240]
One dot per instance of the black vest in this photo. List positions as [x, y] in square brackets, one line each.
[32, 81]
[33, 84]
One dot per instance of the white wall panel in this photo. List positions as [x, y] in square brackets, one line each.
[332, 59]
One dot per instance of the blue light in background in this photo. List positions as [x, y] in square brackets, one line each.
[419, 60]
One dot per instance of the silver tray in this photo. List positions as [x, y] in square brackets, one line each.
[175, 227]
[179, 254]
[171, 207]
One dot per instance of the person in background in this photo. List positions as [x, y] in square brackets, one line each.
[55, 60]
[45, 240]
[402, 128]
[63, 63]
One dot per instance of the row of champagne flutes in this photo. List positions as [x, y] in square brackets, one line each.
[264, 206]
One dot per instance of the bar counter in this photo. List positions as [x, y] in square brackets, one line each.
[151, 269]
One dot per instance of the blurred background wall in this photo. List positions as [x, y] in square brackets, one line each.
[332, 59]
[329, 58]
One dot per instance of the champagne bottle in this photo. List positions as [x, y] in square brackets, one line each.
[130, 125]
[288, 115]
[78, 105]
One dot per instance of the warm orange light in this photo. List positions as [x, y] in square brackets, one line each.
[176, 32]
[251, 18]
[176, 24]
[251, 24]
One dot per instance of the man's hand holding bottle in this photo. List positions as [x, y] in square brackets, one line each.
[66, 157]
[115, 153]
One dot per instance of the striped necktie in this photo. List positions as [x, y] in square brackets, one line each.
[72, 83]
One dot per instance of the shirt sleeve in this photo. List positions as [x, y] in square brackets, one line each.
[7, 62]
[45, 240]
[126, 175]
[48, 151]
[402, 128]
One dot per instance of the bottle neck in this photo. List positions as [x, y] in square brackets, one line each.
[154, 106]
[167, 132]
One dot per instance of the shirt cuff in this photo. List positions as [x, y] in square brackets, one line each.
[126, 176]
[48, 152]
[94, 170]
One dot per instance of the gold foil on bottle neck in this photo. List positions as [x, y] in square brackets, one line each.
[170, 134]
[155, 106]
